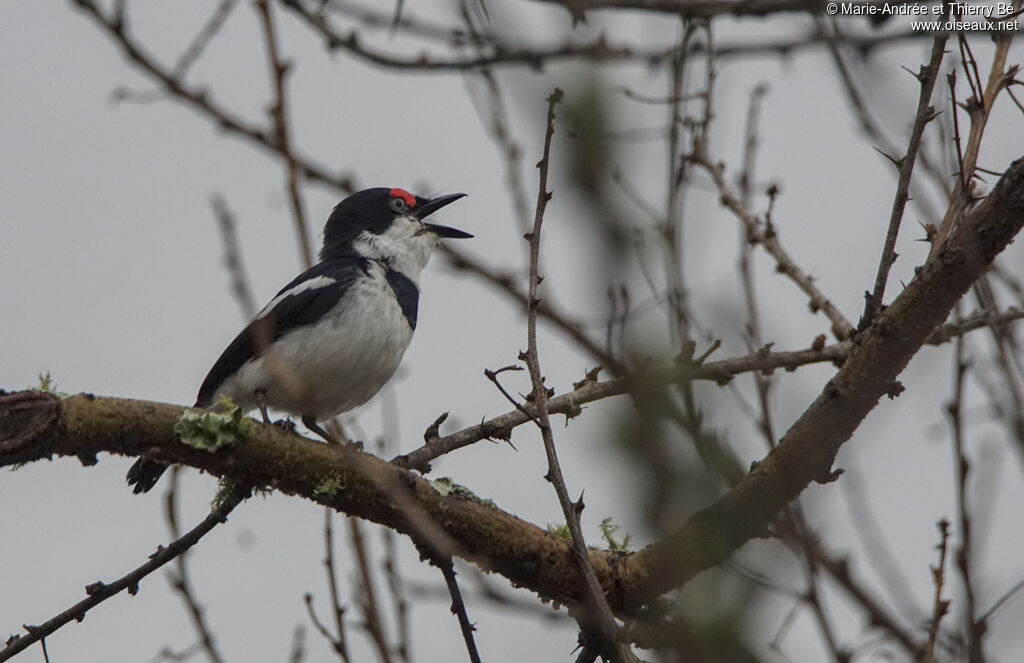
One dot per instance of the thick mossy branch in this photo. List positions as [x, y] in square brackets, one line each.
[360, 484]
[35, 425]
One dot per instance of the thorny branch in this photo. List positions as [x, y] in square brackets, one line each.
[940, 606]
[181, 580]
[458, 606]
[765, 235]
[596, 621]
[964, 559]
[925, 113]
[979, 108]
[589, 390]
[807, 451]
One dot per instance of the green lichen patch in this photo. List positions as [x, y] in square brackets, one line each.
[449, 488]
[327, 488]
[213, 431]
[608, 530]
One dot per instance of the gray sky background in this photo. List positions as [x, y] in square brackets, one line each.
[110, 265]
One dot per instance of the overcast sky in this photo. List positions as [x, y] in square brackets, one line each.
[112, 281]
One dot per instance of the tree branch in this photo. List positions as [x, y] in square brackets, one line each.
[34, 426]
[200, 100]
[99, 591]
[925, 114]
[807, 451]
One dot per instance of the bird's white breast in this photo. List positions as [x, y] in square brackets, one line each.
[350, 354]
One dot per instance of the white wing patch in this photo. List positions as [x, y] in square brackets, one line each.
[310, 284]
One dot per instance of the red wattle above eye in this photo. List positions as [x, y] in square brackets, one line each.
[409, 199]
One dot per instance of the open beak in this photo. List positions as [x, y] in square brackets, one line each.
[428, 207]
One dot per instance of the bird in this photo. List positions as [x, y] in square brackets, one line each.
[331, 338]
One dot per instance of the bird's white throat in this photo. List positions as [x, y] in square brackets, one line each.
[404, 247]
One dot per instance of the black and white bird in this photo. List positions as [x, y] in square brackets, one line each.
[330, 339]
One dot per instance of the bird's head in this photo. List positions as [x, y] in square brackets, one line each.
[387, 225]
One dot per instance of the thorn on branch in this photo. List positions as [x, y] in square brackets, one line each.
[830, 475]
[717, 343]
[893, 160]
[685, 355]
[930, 230]
[895, 389]
[433, 430]
[589, 378]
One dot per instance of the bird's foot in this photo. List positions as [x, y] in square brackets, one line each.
[285, 425]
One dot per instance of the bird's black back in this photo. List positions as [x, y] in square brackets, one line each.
[298, 310]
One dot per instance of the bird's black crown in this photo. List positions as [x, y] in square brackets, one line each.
[367, 210]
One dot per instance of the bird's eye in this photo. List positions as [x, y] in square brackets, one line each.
[397, 204]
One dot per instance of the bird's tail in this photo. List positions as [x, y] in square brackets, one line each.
[144, 474]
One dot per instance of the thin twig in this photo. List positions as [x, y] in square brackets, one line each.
[338, 640]
[199, 99]
[767, 236]
[979, 108]
[181, 583]
[298, 650]
[397, 587]
[279, 112]
[954, 410]
[203, 38]
[493, 51]
[506, 601]
[233, 257]
[336, 644]
[459, 607]
[99, 591]
[596, 620]
[1001, 602]
[496, 120]
[877, 550]
[878, 614]
[672, 230]
[925, 113]
[189, 57]
[505, 282]
[391, 433]
[1008, 365]
[762, 383]
[940, 606]
[812, 596]
[369, 604]
[836, 41]
[590, 390]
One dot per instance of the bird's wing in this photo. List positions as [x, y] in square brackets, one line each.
[302, 302]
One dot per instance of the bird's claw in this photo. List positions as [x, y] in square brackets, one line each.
[285, 425]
